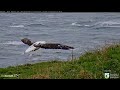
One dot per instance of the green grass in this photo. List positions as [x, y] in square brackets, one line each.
[90, 65]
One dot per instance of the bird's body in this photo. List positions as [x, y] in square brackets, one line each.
[42, 44]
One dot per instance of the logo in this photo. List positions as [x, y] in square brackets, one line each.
[12, 75]
[107, 75]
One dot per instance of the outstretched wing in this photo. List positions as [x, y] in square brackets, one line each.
[54, 46]
[31, 48]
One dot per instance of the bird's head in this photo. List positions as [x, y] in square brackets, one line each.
[26, 41]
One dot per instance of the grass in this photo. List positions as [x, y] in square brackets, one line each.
[90, 65]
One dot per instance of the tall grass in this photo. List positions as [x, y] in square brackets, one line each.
[90, 65]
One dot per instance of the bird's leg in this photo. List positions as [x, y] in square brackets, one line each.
[72, 54]
[22, 53]
[30, 54]
[30, 57]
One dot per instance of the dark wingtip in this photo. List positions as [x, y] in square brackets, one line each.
[71, 47]
[67, 47]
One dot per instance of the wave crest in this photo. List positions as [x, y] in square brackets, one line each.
[17, 26]
[80, 25]
[13, 43]
[108, 24]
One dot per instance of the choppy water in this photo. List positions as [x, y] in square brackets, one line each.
[84, 31]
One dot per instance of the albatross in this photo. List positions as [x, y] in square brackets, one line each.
[33, 46]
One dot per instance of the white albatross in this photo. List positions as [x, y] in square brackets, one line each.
[33, 46]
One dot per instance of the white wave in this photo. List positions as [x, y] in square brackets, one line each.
[111, 26]
[98, 24]
[108, 24]
[13, 43]
[73, 24]
[17, 26]
[87, 25]
[76, 24]
[80, 25]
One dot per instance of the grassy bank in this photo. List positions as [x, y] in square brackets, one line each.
[90, 65]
